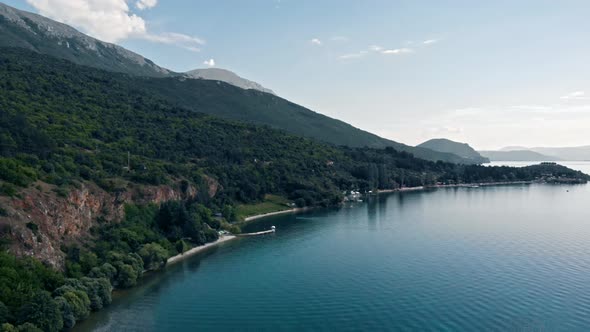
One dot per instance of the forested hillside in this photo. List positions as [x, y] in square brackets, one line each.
[44, 36]
[62, 122]
[255, 107]
[64, 127]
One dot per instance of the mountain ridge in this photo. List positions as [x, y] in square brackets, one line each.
[573, 153]
[227, 76]
[39, 34]
[517, 155]
[457, 148]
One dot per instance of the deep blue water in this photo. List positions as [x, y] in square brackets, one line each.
[506, 258]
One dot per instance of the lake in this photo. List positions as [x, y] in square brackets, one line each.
[504, 258]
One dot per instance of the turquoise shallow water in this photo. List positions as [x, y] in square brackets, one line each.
[507, 258]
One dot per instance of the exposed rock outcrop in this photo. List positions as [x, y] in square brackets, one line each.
[39, 221]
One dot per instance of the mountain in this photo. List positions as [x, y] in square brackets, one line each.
[252, 106]
[514, 148]
[37, 33]
[44, 36]
[460, 149]
[576, 153]
[218, 74]
[517, 155]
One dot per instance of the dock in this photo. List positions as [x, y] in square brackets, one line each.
[271, 230]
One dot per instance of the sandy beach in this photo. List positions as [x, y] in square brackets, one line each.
[198, 249]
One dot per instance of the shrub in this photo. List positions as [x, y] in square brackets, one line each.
[7, 189]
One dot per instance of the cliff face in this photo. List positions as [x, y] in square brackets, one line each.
[40, 221]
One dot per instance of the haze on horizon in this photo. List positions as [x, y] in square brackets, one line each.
[490, 74]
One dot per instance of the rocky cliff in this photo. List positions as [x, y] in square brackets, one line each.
[39, 221]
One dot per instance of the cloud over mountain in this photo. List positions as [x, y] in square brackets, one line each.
[111, 20]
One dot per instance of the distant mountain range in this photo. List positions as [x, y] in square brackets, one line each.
[510, 153]
[460, 149]
[255, 104]
[577, 153]
[518, 153]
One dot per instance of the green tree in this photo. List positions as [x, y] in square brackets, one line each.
[43, 312]
[66, 312]
[181, 246]
[4, 313]
[127, 276]
[106, 270]
[7, 327]
[28, 327]
[153, 256]
[129, 268]
[79, 303]
[98, 290]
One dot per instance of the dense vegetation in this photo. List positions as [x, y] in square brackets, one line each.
[64, 124]
[203, 96]
[35, 296]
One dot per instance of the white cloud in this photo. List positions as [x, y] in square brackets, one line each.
[110, 20]
[316, 41]
[397, 51]
[353, 55]
[146, 4]
[210, 63]
[172, 38]
[576, 95]
[377, 49]
[381, 50]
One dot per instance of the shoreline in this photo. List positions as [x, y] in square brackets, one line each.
[226, 238]
[461, 185]
[385, 191]
[276, 213]
[195, 250]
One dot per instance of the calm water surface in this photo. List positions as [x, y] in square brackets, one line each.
[506, 258]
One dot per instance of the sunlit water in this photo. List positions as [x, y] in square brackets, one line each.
[505, 258]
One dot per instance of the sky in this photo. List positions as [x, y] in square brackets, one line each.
[489, 73]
